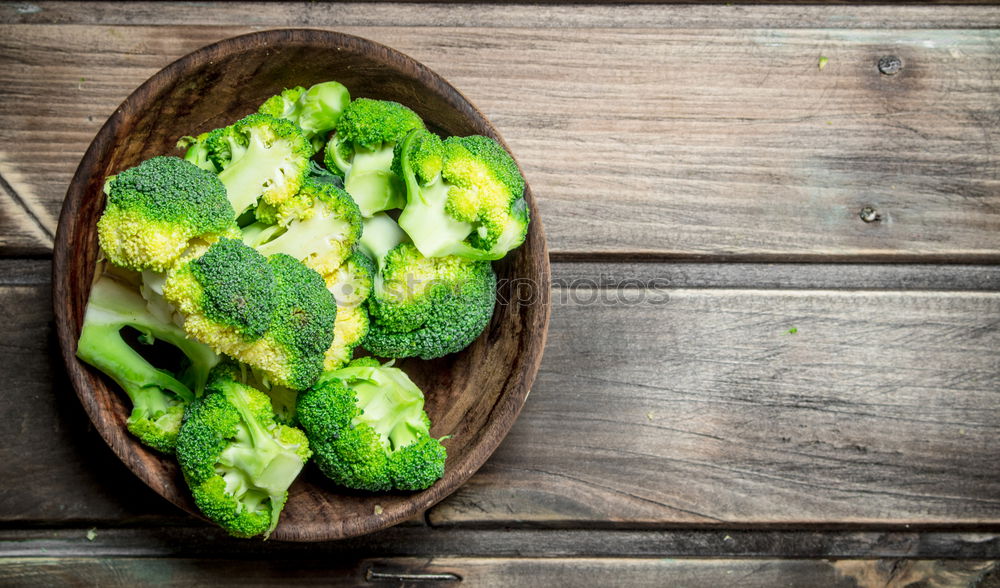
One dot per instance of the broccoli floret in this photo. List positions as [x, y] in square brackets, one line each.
[155, 210]
[261, 158]
[237, 461]
[303, 323]
[464, 196]
[273, 314]
[316, 110]
[428, 306]
[351, 285]
[158, 398]
[423, 306]
[319, 227]
[367, 427]
[283, 399]
[284, 105]
[197, 152]
[362, 149]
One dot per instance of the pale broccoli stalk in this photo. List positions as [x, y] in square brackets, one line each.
[158, 398]
[237, 461]
[316, 110]
[465, 196]
[367, 427]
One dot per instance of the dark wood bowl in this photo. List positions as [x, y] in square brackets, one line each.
[473, 396]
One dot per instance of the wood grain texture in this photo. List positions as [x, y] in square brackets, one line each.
[499, 572]
[687, 15]
[878, 410]
[652, 142]
[701, 407]
[55, 466]
[472, 396]
[412, 540]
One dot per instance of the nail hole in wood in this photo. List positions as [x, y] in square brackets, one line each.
[890, 65]
[870, 215]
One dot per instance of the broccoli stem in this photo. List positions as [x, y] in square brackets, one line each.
[269, 466]
[112, 307]
[370, 182]
[246, 178]
[425, 220]
[391, 405]
[303, 237]
[379, 236]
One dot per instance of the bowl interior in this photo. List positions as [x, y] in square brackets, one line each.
[473, 396]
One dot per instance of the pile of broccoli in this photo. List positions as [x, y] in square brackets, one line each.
[245, 290]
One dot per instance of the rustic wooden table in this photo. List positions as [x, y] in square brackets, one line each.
[773, 357]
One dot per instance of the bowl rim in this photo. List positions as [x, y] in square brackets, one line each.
[118, 439]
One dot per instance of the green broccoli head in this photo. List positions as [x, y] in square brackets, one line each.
[273, 314]
[302, 327]
[225, 145]
[227, 284]
[158, 397]
[351, 285]
[367, 426]
[155, 210]
[465, 196]
[361, 149]
[316, 110]
[318, 226]
[237, 461]
[261, 158]
[284, 105]
[428, 306]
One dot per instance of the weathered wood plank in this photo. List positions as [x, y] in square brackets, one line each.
[695, 159]
[55, 466]
[733, 15]
[619, 275]
[694, 406]
[504, 572]
[422, 541]
[757, 407]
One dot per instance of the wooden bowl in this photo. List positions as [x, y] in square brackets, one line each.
[473, 396]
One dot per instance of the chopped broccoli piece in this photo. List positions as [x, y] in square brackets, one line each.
[155, 210]
[284, 105]
[197, 152]
[237, 461]
[465, 196]
[261, 158]
[303, 323]
[362, 150]
[319, 226]
[367, 427]
[273, 314]
[316, 110]
[158, 398]
[428, 306]
[422, 306]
